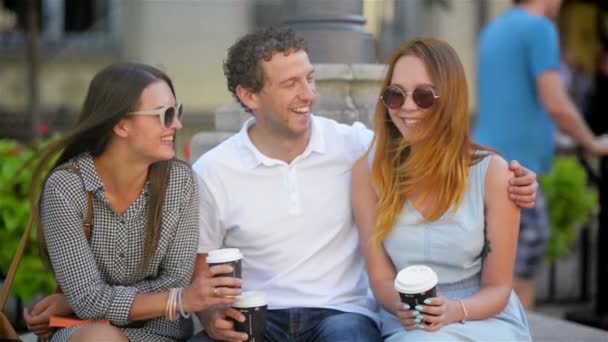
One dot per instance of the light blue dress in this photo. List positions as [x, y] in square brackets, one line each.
[453, 246]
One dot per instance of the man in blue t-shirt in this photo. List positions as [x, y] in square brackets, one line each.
[521, 101]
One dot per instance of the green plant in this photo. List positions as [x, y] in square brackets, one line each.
[571, 203]
[16, 171]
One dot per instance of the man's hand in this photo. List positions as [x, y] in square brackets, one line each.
[523, 186]
[219, 326]
[37, 319]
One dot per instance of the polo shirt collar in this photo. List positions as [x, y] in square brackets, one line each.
[253, 157]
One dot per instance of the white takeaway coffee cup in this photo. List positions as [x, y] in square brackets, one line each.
[416, 283]
[253, 305]
[226, 256]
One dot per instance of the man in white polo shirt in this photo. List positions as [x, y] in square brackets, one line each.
[279, 190]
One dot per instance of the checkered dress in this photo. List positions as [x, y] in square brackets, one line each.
[100, 277]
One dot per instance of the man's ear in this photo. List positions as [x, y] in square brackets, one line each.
[122, 128]
[249, 98]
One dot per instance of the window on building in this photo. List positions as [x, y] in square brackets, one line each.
[79, 22]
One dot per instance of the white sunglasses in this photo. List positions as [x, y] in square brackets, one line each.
[166, 114]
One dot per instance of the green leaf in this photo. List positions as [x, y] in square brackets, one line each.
[16, 172]
[571, 203]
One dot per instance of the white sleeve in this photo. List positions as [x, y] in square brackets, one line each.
[362, 137]
[211, 232]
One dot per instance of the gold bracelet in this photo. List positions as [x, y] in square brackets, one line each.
[464, 310]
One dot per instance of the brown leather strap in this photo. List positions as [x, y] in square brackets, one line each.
[88, 221]
[8, 281]
[88, 229]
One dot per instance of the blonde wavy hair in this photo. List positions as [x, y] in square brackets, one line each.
[438, 169]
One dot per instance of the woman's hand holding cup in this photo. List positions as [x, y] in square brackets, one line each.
[208, 289]
[438, 312]
[416, 286]
[410, 318]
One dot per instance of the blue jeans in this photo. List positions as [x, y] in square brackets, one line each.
[314, 325]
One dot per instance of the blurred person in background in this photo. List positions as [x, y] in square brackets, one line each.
[521, 101]
[576, 80]
[598, 108]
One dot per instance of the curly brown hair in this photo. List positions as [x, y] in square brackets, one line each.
[243, 64]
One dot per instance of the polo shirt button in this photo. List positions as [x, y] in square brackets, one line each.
[121, 255]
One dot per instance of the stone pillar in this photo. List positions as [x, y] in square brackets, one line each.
[348, 92]
[400, 22]
[334, 30]
[204, 141]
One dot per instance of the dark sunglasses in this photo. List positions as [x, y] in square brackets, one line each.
[166, 114]
[393, 97]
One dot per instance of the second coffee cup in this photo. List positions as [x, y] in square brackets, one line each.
[253, 305]
[415, 284]
[226, 256]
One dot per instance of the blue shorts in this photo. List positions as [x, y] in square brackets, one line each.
[534, 232]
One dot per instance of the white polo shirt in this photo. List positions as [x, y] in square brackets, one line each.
[292, 222]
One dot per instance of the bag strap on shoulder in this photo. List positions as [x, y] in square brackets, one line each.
[88, 221]
[10, 277]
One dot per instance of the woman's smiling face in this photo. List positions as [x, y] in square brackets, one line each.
[409, 73]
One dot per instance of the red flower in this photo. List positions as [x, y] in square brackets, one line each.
[42, 129]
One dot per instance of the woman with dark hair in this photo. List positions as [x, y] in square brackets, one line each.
[426, 194]
[118, 216]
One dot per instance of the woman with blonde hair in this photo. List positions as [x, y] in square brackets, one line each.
[426, 194]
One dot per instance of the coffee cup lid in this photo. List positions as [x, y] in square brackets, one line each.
[415, 279]
[250, 299]
[224, 255]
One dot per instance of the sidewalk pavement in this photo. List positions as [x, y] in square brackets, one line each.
[551, 329]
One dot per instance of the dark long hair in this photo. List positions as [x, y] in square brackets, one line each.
[113, 92]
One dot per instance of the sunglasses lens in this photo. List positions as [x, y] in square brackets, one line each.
[393, 97]
[423, 97]
[169, 116]
[180, 112]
